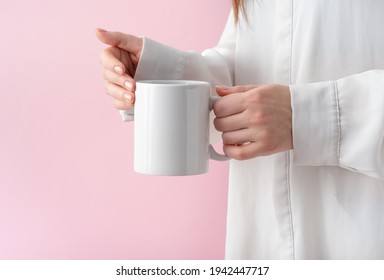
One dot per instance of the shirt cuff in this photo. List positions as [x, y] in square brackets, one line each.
[315, 124]
[157, 62]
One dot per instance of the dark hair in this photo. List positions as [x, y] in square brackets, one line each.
[238, 6]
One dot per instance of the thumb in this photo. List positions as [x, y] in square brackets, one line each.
[223, 91]
[126, 42]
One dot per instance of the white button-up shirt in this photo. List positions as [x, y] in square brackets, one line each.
[325, 198]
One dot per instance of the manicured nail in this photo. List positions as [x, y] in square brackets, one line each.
[221, 87]
[118, 69]
[128, 85]
[127, 97]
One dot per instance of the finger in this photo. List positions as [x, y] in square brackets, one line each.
[223, 91]
[110, 59]
[237, 137]
[119, 93]
[127, 42]
[121, 105]
[231, 123]
[123, 81]
[243, 152]
[229, 105]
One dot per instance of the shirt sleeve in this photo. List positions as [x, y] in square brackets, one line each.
[340, 123]
[161, 62]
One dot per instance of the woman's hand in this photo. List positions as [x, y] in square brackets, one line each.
[255, 120]
[120, 61]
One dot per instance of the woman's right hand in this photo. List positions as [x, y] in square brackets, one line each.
[120, 61]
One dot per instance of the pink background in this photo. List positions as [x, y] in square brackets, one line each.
[67, 186]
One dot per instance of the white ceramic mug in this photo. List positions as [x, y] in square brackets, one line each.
[171, 130]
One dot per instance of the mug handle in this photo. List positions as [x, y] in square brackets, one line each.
[212, 153]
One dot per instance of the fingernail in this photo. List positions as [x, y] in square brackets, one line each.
[222, 87]
[128, 85]
[101, 30]
[118, 69]
[127, 97]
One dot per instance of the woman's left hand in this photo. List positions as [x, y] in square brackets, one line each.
[255, 120]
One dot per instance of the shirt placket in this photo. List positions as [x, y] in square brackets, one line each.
[282, 186]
